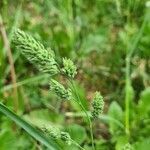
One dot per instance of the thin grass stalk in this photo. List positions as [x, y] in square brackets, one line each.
[84, 110]
[130, 50]
[75, 143]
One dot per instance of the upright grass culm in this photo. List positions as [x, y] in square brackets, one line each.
[128, 84]
[45, 61]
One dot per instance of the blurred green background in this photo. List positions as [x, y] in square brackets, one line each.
[100, 36]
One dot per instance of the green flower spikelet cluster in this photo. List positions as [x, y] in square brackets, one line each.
[65, 137]
[35, 52]
[97, 104]
[44, 60]
[56, 134]
[69, 69]
[52, 132]
[60, 90]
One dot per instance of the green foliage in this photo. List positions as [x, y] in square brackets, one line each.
[144, 102]
[115, 111]
[28, 128]
[82, 94]
[8, 139]
[94, 38]
[121, 142]
[127, 147]
[142, 144]
[77, 133]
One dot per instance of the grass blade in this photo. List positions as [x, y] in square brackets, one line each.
[29, 129]
[104, 118]
[25, 81]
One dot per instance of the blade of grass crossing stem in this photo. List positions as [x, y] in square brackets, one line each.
[50, 144]
[25, 81]
[131, 47]
[103, 118]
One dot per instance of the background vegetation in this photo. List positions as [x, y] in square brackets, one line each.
[109, 41]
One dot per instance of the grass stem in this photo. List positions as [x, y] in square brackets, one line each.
[130, 50]
[75, 143]
[84, 110]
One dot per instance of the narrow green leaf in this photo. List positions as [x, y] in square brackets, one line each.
[29, 129]
[28, 81]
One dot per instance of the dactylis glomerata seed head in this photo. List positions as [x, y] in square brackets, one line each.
[69, 69]
[97, 104]
[60, 90]
[35, 52]
[52, 132]
[56, 134]
[65, 137]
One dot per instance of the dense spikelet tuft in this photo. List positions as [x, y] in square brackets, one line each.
[69, 69]
[98, 105]
[52, 132]
[35, 52]
[56, 134]
[60, 90]
[65, 137]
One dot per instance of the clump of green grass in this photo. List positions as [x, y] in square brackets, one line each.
[45, 61]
